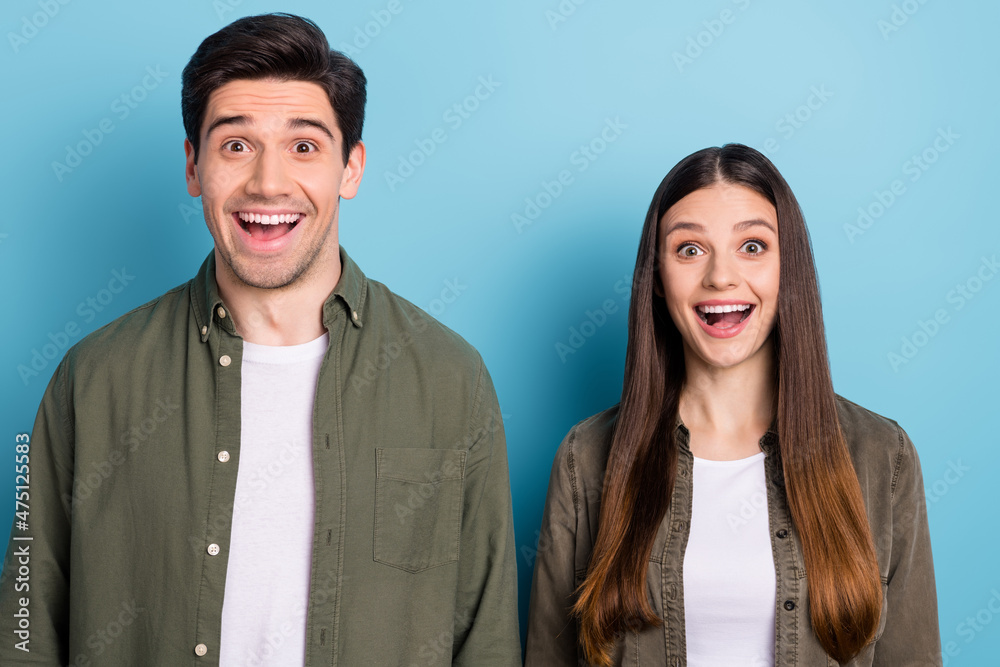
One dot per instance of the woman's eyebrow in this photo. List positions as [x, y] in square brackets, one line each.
[693, 226]
[747, 224]
[738, 227]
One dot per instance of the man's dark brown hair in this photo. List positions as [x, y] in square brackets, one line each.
[284, 47]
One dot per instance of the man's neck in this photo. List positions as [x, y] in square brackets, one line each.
[291, 315]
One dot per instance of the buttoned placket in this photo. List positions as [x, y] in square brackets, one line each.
[787, 554]
[679, 523]
[225, 349]
[342, 315]
[330, 488]
[785, 548]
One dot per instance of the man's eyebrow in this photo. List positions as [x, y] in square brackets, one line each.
[292, 124]
[738, 227]
[227, 120]
[296, 123]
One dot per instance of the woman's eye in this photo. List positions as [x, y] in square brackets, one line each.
[689, 250]
[754, 247]
[235, 146]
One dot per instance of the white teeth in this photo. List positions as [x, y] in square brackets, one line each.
[724, 309]
[269, 219]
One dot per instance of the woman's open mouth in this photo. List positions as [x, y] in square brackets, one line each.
[724, 317]
[724, 320]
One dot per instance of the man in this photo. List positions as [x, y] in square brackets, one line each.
[280, 462]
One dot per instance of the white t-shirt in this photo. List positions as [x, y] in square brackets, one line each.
[729, 577]
[267, 582]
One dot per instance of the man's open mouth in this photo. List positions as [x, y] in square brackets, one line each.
[265, 227]
[724, 317]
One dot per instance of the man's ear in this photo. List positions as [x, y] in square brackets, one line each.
[353, 171]
[191, 170]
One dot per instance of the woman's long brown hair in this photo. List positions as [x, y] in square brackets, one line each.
[845, 594]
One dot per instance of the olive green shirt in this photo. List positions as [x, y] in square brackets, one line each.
[133, 465]
[892, 486]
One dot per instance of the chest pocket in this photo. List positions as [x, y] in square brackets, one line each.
[418, 506]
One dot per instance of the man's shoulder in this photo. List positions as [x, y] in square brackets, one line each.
[407, 327]
[143, 327]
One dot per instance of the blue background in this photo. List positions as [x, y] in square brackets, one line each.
[884, 81]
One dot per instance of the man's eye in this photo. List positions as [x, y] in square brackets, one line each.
[234, 146]
[689, 250]
[304, 147]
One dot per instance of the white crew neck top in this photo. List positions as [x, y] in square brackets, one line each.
[729, 577]
[270, 552]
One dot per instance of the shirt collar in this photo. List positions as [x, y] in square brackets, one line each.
[347, 296]
[768, 442]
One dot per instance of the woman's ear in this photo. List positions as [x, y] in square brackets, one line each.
[658, 282]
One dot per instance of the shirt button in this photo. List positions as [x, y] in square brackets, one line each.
[204, 330]
[200, 650]
[223, 456]
[672, 591]
[354, 315]
[213, 550]
[222, 312]
[789, 605]
[782, 534]
[225, 360]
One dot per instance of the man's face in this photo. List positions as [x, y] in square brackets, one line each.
[270, 172]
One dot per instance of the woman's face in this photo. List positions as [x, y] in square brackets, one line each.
[719, 269]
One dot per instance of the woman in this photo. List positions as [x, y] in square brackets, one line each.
[732, 510]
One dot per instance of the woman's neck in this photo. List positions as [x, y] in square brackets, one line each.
[727, 410]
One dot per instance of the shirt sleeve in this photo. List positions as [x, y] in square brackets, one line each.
[486, 625]
[552, 632]
[911, 634]
[34, 588]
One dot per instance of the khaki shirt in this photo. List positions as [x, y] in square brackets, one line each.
[891, 483]
[133, 465]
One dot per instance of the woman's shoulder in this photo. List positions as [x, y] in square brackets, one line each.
[584, 450]
[877, 444]
[851, 413]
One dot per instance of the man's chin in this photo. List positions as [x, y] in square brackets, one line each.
[268, 275]
[262, 279]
